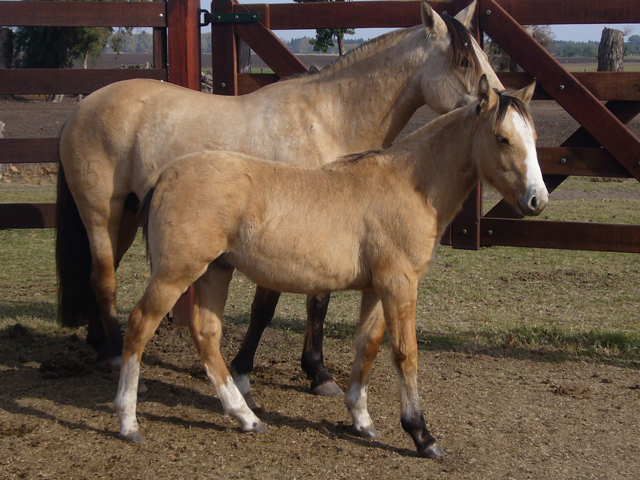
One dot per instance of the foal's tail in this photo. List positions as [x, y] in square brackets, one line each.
[143, 217]
[76, 300]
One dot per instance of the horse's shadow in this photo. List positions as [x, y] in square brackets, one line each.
[95, 392]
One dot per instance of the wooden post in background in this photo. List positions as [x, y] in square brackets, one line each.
[183, 23]
[611, 51]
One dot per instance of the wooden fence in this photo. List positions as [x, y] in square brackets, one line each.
[176, 39]
[602, 146]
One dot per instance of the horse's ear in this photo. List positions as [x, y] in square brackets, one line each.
[465, 16]
[526, 93]
[432, 21]
[487, 98]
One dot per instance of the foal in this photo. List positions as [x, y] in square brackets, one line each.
[377, 218]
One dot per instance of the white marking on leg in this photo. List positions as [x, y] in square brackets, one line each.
[235, 405]
[127, 396]
[356, 402]
[243, 384]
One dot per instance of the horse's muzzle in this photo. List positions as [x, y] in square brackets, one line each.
[534, 202]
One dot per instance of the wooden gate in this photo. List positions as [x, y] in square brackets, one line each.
[602, 146]
[176, 37]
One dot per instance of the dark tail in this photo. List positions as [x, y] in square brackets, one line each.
[143, 216]
[76, 300]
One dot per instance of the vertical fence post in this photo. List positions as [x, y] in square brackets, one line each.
[224, 51]
[183, 23]
[465, 228]
[184, 67]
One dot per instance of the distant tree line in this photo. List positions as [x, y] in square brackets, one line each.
[143, 43]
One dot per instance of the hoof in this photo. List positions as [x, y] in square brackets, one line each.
[434, 451]
[368, 432]
[251, 402]
[133, 437]
[327, 389]
[257, 428]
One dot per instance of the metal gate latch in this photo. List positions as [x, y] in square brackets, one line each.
[210, 18]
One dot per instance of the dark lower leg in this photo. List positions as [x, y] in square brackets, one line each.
[312, 356]
[105, 334]
[414, 424]
[262, 310]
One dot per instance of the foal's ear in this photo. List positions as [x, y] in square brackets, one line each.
[526, 93]
[487, 98]
[465, 16]
[432, 21]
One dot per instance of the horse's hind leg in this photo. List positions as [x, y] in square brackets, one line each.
[262, 310]
[104, 333]
[206, 328]
[103, 237]
[143, 321]
[322, 382]
[129, 224]
[368, 340]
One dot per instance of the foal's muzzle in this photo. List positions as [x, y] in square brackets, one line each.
[534, 201]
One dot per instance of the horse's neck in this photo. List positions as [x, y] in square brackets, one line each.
[375, 95]
[439, 161]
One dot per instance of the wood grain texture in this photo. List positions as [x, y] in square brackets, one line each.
[83, 14]
[48, 81]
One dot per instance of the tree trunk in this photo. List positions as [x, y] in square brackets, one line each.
[341, 49]
[6, 47]
[611, 51]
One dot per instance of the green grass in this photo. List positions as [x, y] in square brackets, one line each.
[593, 66]
[511, 300]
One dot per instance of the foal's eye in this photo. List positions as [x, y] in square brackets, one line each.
[501, 140]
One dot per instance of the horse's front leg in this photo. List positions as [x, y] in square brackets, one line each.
[399, 305]
[262, 310]
[368, 340]
[322, 382]
[211, 292]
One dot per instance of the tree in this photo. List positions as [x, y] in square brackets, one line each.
[324, 36]
[634, 40]
[59, 47]
[500, 61]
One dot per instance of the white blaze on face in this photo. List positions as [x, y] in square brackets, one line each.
[535, 183]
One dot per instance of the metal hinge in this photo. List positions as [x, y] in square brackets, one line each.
[209, 18]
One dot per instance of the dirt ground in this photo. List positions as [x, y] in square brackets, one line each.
[498, 414]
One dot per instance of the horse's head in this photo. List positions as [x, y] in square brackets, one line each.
[504, 147]
[453, 61]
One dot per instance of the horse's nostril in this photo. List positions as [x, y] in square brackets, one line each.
[534, 202]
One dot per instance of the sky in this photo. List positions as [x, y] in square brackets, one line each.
[576, 33]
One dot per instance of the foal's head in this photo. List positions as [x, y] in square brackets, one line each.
[505, 147]
[454, 61]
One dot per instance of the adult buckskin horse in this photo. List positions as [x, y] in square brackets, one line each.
[122, 133]
[378, 218]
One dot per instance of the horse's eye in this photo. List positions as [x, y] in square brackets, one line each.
[501, 140]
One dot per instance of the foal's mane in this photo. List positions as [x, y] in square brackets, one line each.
[356, 157]
[461, 52]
